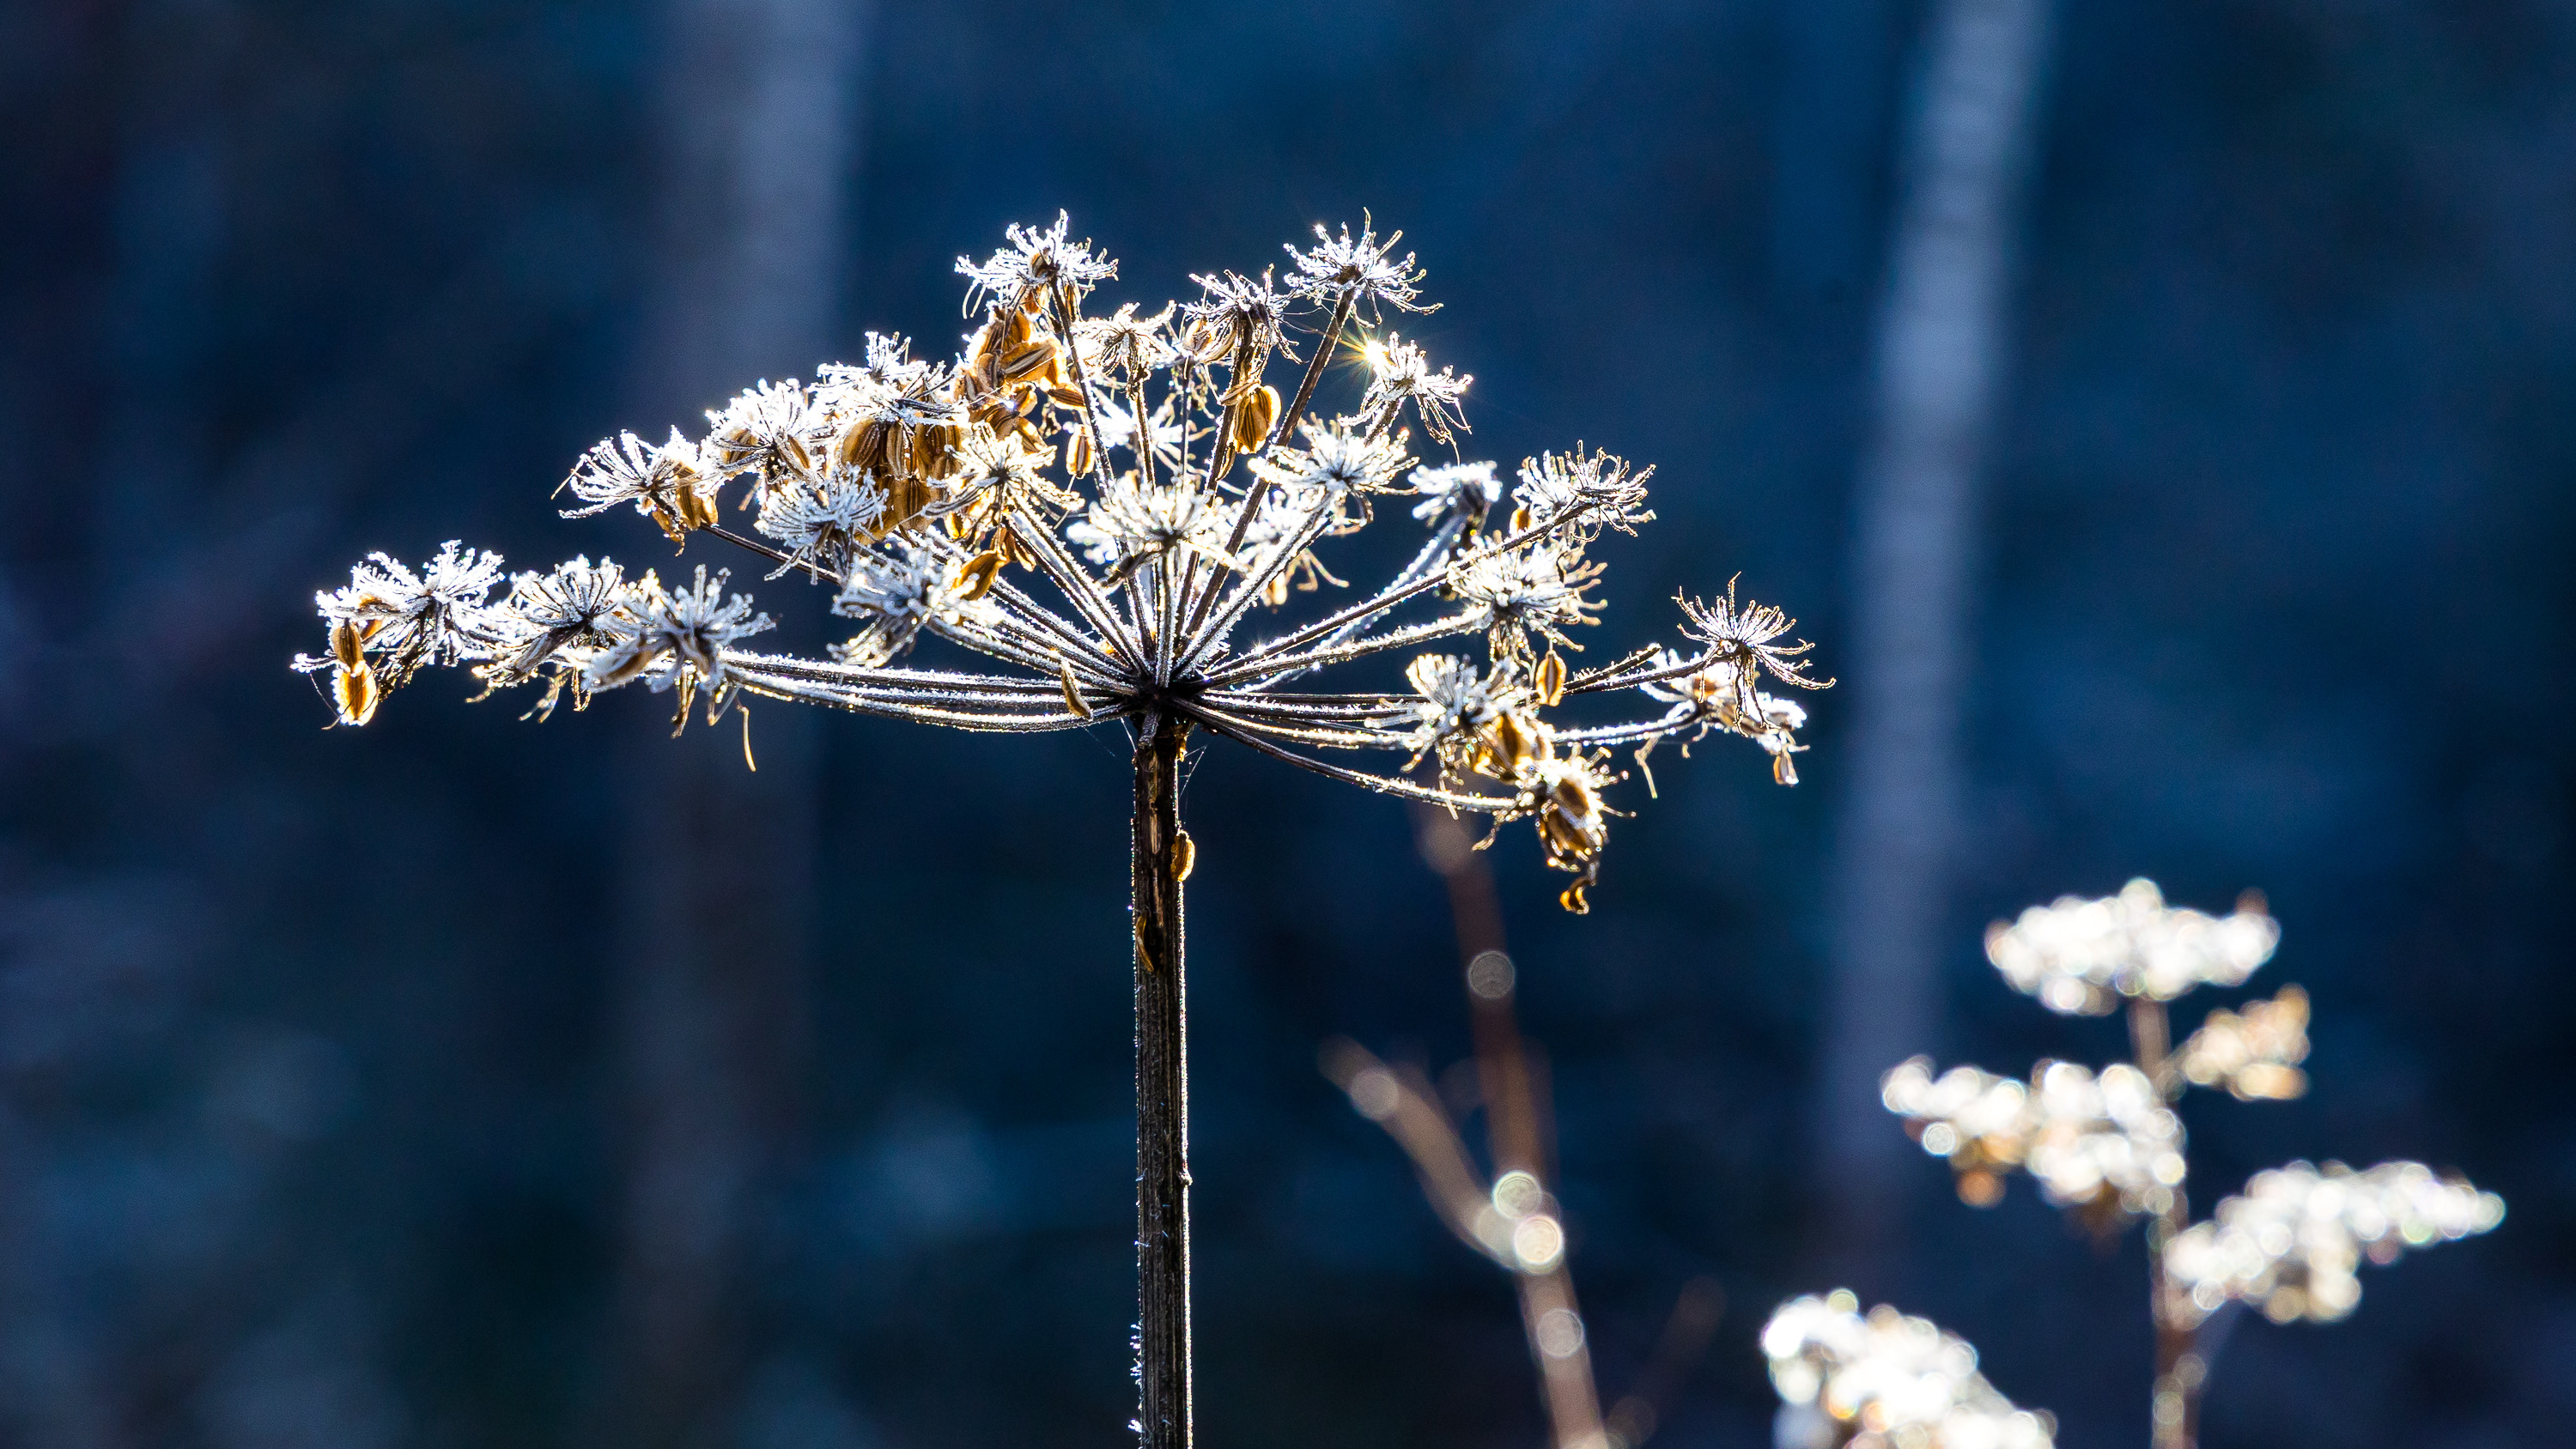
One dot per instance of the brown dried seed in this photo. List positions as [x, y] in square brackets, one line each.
[864, 447]
[1079, 458]
[1185, 856]
[1253, 419]
[1551, 679]
[975, 576]
[1072, 695]
[906, 496]
[356, 692]
[1032, 359]
[347, 644]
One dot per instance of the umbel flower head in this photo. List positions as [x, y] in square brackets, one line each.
[2080, 957]
[2109, 1145]
[1103, 508]
[2291, 1242]
[1885, 1381]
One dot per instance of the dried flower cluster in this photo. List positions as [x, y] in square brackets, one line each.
[1098, 503]
[1885, 1381]
[2080, 957]
[2110, 1147]
[2106, 1145]
[2291, 1242]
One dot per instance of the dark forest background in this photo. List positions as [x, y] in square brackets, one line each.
[330, 1102]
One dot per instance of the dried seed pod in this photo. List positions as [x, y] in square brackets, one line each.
[1511, 741]
[1072, 694]
[697, 505]
[1033, 360]
[356, 692]
[1252, 420]
[1079, 457]
[1185, 855]
[906, 496]
[975, 576]
[348, 640]
[864, 447]
[1550, 680]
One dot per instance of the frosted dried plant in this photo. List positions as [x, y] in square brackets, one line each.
[2110, 1146]
[1506, 1211]
[1885, 1381]
[1097, 506]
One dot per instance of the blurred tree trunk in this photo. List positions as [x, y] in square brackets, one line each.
[760, 112]
[1941, 350]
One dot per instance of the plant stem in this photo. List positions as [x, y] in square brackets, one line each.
[2174, 1410]
[1161, 856]
[1515, 1120]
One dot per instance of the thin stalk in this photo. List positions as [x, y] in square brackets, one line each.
[1278, 427]
[1160, 857]
[1068, 316]
[1516, 1126]
[2174, 1410]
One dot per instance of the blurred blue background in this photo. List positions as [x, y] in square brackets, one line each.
[340, 1104]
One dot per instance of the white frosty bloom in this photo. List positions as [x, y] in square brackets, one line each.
[2078, 956]
[575, 605]
[668, 484]
[899, 595]
[1337, 464]
[1238, 313]
[1400, 372]
[1556, 487]
[408, 619]
[1034, 264]
[1748, 634]
[1456, 705]
[682, 638]
[2292, 1242]
[1446, 488]
[2094, 1142]
[1124, 347]
[1537, 589]
[1366, 269]
[1132, 521]
[1117, 425]
[1719, 695]
[844, 392]
[824, 524]
[772, 429]
[1885, 1381]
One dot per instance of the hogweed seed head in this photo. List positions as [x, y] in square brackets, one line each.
[1098, 506]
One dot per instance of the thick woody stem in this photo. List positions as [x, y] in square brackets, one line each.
[1161, 857]
[2174, 1410]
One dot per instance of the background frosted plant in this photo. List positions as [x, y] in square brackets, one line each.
[1506, 1211]
[1098, 507]
[2110, 1147]
[1885, 1381]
